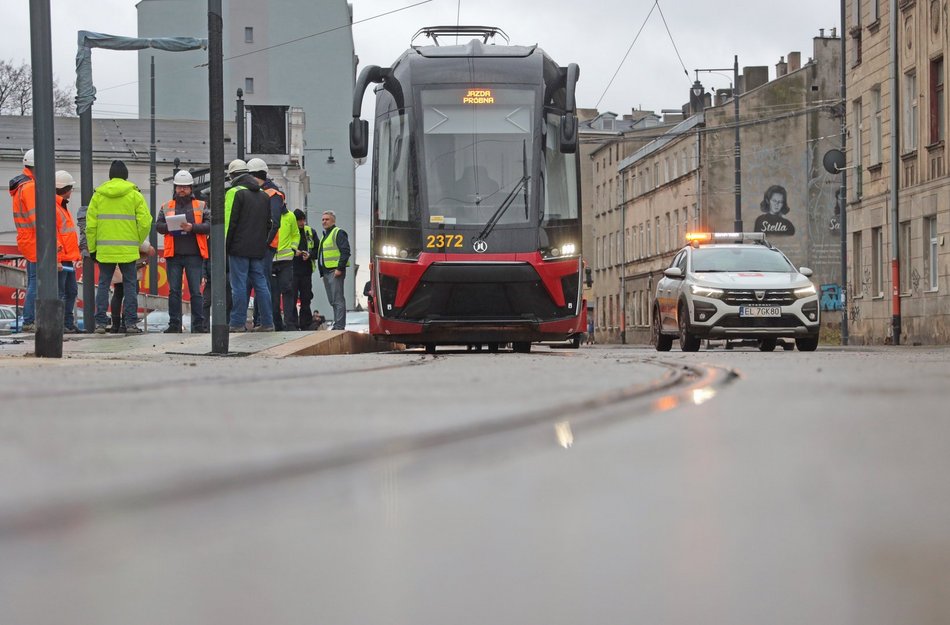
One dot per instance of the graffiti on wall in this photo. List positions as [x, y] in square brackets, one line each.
[774, 207]
[831, 297]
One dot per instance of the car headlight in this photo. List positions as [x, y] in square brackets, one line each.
[805, 291]
[705, 291]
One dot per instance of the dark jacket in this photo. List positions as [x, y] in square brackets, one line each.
[251, 227]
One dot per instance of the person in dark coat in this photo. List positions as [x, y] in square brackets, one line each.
[250, 230]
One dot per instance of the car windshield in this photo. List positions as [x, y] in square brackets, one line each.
[757, 258]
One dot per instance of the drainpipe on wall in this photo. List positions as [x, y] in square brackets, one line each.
[895, 181]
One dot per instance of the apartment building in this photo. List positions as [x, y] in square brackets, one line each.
[913, 233]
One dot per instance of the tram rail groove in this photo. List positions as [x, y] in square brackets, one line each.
[679, 377]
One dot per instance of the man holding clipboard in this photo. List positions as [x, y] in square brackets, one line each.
[186, 223]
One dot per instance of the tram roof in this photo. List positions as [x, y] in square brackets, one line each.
[475, 48]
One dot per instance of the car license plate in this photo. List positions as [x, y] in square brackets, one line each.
[760, 311]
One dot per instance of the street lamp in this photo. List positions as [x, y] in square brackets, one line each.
[737, 226]
[330, 159]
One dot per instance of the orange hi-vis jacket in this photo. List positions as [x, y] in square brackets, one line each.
[23, 192]
[198, 207]
[67, 234]
[271, 193]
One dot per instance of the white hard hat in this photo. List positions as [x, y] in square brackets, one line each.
[257, 164]
[237, 166]
[183, 178]
[28, 158]
[64, 179]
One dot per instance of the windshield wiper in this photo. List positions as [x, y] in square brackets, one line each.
[500, 211]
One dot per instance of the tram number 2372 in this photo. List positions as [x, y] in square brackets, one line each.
[444, 240]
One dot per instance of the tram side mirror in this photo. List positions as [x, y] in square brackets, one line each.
[568, 133]
[359, 138]
[588, 278]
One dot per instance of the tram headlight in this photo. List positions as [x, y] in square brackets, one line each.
[389, 250]
[565, 250]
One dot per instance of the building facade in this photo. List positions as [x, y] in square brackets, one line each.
[897, 254]
[685, 180]
[271, 55]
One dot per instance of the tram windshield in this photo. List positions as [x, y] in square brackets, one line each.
[477, 152]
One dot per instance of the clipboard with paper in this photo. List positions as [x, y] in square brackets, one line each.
[174, 223]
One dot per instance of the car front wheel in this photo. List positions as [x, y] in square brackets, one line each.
[807, 344]
[689, 342]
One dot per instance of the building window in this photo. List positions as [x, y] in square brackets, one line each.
[641, 251]
[668, 237]
[656, 237]
[877, 123]
[875, 11]
[248, 85]
[877, 262]
[649, 247]
[676, 220]
[248, 34]
[937, 102]
[857, 149]
[930, 251]
[911, 112]
[856, 13]
[858, 286]
[599, 254]
[904, 256]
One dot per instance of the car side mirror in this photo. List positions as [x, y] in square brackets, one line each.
[805, 271]
[673, 272]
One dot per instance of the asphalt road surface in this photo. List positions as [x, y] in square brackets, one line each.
[603, 485]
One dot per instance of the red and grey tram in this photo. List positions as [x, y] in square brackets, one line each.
[476, 225]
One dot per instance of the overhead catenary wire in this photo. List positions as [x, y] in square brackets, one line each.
[675, 49]
[633, 43]
[323, 32]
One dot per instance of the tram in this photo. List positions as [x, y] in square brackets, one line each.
[476, 224]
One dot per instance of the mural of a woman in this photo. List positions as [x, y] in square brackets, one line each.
[774, 205]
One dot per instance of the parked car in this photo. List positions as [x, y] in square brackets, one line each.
[157, 321]
[356, 321]
[734, 286]
[9, 322]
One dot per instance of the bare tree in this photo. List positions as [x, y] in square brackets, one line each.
[16, 92]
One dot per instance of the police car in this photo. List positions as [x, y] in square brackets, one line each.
[734, 285]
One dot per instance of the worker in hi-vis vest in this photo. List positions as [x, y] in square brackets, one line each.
[333, 257]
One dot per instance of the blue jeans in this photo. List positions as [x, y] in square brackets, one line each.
[334, 287]
[68, 291]
[244, 271]
[29, 306]
[192, 267]
[268, 270]
[130, 286]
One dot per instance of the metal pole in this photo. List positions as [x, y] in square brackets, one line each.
[623, 259]
[843, 191]
[219, 326]
[85, 176]
[239, 120]
[895, 180]
[152, 184]
[735, 106]
[49, 308]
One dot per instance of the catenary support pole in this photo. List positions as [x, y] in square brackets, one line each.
[152, 184]
[843, 191]
[49, 308]
[219, 325]
[895, 180]
[738, 149]
[85, 178]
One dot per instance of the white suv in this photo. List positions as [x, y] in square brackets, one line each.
[734, 285]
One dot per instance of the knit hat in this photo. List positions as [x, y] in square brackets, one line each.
[299, 214]
[118, 170]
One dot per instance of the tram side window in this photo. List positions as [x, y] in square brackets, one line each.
[393, 169]
[560, 178]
